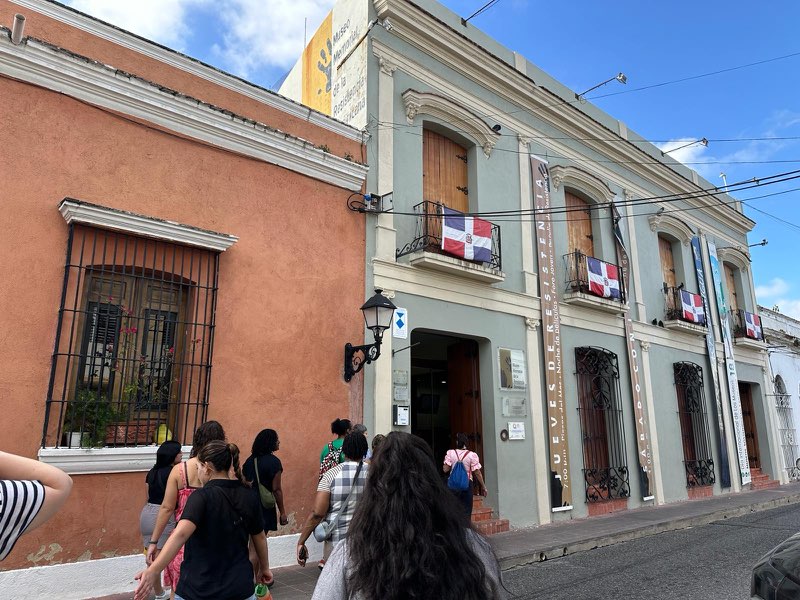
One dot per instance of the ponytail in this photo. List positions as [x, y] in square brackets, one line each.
[222, 455]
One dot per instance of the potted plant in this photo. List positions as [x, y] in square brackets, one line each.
[87, 415]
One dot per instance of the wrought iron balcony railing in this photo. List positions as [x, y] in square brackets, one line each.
[593, 276]
[682, 305]
[428, 235]
[746, 324]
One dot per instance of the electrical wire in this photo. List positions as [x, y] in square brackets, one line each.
[483, 8]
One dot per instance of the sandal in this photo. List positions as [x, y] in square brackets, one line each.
[321, 564]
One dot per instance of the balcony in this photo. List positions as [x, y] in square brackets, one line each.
[593, 283]
[684, 311]
[747, 331]
[475, 254]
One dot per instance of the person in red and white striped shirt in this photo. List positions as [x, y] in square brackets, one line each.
[30, 493]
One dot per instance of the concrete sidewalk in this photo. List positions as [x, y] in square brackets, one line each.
[535, 544]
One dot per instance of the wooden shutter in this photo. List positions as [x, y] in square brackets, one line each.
[579, 225]
[667, 261]
[444, 171]
[730, 281]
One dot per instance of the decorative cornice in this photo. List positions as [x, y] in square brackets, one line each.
[671, 225]
[735, 256]
[644, 345]
[189, 65]
[582, 180]
[387, 67]
[57, 69]
[524, 142]
[454, 50]
[532, 324]
[451, 112]
[77, 211]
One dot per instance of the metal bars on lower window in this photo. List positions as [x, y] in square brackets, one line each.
[605, 460]
[695, 436]
[133, 349]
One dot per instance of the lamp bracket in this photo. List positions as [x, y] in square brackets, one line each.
[355, 357]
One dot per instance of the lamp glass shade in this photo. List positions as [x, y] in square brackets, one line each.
[378, 312]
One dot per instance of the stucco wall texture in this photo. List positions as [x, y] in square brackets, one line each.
[288, 300]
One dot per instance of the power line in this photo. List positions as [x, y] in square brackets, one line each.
[483, 8]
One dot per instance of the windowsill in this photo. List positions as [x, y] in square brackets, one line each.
[678, 325]
[85, 461]
[595, 302]
[456, 266]
[746, 342]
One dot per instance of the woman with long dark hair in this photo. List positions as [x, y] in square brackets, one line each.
[331, 454]
[167, 456]
[218, 522]
[408, 538]
[182, 482]
[268, 474]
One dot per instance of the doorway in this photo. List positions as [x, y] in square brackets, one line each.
[749, 420]
[445, 392]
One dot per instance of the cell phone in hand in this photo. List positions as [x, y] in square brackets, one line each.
[303, 554]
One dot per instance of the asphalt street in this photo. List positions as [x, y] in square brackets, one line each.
[709, 562]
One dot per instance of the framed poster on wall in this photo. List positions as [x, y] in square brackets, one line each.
[512, 369]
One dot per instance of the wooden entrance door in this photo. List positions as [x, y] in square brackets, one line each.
[750, 431]
[464, 393]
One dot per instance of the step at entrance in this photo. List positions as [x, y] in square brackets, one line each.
[483, 521]
[760, 480]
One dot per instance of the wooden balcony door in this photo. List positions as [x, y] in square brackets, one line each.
[444, 171]
[730, 282]
[579, 225]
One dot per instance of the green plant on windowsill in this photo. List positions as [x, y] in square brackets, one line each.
[89, 413]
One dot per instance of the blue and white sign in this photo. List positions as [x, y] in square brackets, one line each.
[400, 323]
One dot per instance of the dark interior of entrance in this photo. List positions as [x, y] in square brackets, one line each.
[445, 391]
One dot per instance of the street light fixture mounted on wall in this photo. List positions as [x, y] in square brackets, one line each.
[619, 77]
[702, 141]
[763, 242]
[378, 312]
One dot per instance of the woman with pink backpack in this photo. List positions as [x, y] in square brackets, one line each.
[463, 465]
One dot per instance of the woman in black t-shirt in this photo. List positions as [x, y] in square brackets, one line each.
[168, 455]
[216, 525]
[269, 474]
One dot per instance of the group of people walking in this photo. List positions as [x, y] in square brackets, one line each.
[203, 525]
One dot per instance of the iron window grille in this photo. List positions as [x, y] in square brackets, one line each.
[133, 348]
[605, 461]
[577, 271]
[786, 429]
[695, 436]
[673, 306]
[428, 234]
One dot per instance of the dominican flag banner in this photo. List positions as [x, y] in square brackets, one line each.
[752, 324]
[603, 278]
[469, 238]
[693, 307]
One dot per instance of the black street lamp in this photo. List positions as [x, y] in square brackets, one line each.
[378, 312]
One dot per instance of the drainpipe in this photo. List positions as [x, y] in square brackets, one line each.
[17, 29]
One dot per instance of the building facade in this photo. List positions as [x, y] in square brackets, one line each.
[575, 349]
[166, 250]
[782, 334]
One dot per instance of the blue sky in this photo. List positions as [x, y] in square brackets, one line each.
[582, 43]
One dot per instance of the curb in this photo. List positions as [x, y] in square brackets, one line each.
[556, 551]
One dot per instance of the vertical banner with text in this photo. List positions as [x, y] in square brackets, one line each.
[711, 345]
[730, 366]
[560, 483]
[642, 432]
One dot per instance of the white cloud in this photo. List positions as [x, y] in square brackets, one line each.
[776, 287]
[162, 22]
[788, 307]
[266, 33]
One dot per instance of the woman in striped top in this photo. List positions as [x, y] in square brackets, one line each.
[30, 493]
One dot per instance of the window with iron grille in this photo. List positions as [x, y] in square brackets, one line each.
[605, 460]
[133, 349]
[695, 437]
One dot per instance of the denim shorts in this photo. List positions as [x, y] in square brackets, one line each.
[253, 597]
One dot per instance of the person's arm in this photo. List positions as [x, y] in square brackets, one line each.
[479, 477]
[166, 510]
[150, 576]
[321, 504]
[277, 491]
[448, 462]
[264, 574]
[57, 484]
